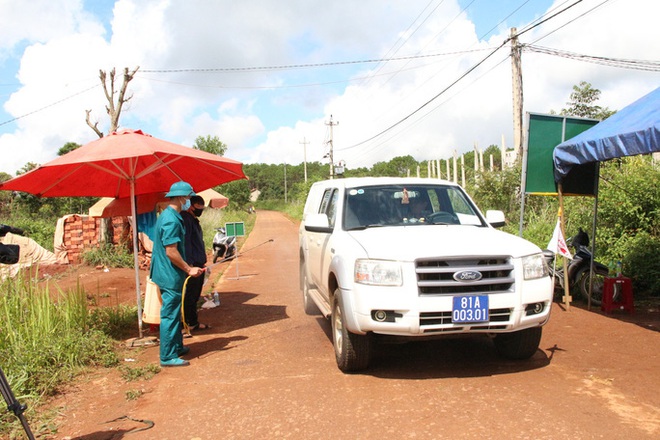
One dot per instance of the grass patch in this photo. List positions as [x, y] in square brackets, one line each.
[146, 372]
[47, 339]
[108, 255]
[133, 394]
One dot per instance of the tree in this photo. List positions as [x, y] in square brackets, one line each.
[113, 109]
[27, 167]
[210, 144]
[582, 103]
[67, 148]
[237, 191]
[397, 167]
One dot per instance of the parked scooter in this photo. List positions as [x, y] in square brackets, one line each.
[224, 247]
[579, 272]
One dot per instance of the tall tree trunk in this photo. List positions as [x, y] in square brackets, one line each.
[112, 108]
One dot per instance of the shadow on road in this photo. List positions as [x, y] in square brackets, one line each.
[459, 356]
[645, 315]
[235, 313]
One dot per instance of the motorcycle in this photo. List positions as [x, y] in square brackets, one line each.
[224, 247]
[579, 270]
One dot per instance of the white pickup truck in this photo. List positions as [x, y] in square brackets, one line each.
[409, 257]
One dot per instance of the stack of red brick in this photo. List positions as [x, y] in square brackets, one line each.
[84, 232]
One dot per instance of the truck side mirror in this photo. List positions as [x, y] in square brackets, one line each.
[317, 223]
[495, 218]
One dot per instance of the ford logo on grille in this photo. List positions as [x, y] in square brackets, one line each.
[467, 275]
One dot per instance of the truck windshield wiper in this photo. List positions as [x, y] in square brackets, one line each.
[363, 227]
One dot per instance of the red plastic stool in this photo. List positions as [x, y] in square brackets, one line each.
[625, 299]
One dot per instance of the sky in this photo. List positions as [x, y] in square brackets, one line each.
[277, 81]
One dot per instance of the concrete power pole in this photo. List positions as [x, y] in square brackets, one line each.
[332, 160]
[305, 142]
[516, 70]
[331, 154]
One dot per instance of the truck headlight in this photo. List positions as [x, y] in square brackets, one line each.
[534, 266]
[378, 272]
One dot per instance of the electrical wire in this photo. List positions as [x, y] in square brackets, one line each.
[302, 66]
[392, 50]
[625, 63]
[479, 39]
[471, 69]
[289, 86]
[370, 149]
[49, 105]
[466, 73]
[571, 21]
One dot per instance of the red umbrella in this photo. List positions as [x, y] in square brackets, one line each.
[126, 164]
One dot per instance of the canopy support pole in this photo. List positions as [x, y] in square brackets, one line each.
[593, 241]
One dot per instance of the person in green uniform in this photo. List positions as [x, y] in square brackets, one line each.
[169, 270]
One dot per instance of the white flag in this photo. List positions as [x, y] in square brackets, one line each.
[558, 244]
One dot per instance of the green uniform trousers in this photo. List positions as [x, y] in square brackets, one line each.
[171, 339]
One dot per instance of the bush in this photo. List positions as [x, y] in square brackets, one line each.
[41, 229]
[640, 259]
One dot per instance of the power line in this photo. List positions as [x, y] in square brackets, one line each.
[527, 29]
[425, 115]
[303, 66]
[571, 21]
[289, 86]
[394, 49]
[48, 106]
[625, 63]
[466, 73]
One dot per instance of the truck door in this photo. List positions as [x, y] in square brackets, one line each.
[319, 251]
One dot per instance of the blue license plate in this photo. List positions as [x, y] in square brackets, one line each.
[472, 308]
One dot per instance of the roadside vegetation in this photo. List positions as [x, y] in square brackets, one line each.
[47, 338]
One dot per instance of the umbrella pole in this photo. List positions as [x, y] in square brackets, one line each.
[135, 258]
[567, 288]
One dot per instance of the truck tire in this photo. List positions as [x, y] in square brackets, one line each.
[518, 345]
[308, 303]
[352, 351]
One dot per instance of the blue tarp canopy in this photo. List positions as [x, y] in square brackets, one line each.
[633, 130]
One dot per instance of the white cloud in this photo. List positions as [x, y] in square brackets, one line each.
[263, 115]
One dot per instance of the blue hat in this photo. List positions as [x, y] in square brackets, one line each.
[180, 189]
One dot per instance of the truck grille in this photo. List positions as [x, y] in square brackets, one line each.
[436, 276]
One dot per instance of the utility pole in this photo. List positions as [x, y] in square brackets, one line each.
[332, 160]
[285, 189]
[305, 142]
[516, 70]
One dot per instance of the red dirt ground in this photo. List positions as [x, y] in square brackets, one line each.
[266, 370]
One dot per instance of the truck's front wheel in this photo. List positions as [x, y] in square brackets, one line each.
[518, 345]
[352, 351]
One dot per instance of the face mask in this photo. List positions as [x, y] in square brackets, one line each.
[198, 211]
[185, 205]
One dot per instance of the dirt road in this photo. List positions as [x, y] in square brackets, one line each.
[266, 370]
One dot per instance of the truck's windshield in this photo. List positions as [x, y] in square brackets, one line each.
[395, 205]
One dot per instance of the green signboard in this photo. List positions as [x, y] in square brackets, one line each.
[235, 229]
[545, 132]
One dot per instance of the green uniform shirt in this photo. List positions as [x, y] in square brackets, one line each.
[169, 230]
